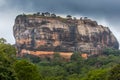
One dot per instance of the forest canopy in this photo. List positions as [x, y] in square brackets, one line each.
[98, 67]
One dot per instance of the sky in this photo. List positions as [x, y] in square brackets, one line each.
[105, 12]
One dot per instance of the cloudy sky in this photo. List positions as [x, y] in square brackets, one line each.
[105, 12]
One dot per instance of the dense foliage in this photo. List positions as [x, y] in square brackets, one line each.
[98, 67]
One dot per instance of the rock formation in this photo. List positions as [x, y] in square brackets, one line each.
[48, 32]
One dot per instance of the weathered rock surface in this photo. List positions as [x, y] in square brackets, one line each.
[48, 33]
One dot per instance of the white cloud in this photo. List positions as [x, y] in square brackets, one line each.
[2, 2]
[6, 25]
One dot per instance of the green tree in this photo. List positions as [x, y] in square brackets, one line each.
[115, 73]
[69, 16]
[76, 57]
[2, 41]
[32, 58]
[50, 72]
[7, 73]
[98, 74]
[73, 77]
[72, 68]
[57, 59]
[26, 70]
[7, 58]
[109, 51]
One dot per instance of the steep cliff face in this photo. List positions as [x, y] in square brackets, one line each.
[48, 33]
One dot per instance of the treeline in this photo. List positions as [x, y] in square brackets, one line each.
[98, 67]
[53, 15]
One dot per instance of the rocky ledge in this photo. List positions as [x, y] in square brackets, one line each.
[48, 32]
